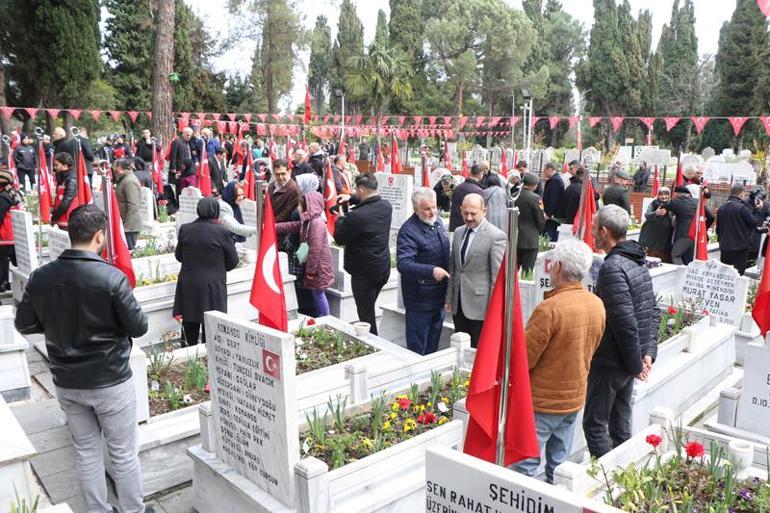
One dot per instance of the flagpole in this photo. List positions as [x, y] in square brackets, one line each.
[258, 200]
[39, 134]
[510, 277]
[106, 194]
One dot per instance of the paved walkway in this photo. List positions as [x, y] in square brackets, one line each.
[54, 465]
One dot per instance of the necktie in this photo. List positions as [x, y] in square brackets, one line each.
[464, 247]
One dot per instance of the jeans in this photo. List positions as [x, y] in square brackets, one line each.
[555, 434]
[423, 330]
[365, 293]
[607, 414]
[321, 303]
[111, 412]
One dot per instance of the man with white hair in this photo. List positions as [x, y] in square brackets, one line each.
[562, 335]
[630, 342]
[422, 253]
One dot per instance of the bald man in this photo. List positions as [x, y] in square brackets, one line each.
[62, 143]
[477, 251]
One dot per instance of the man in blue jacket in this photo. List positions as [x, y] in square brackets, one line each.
[422, 250]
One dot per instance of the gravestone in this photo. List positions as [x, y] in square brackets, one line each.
[24, 241]
[543, 280]
[717, 288]
[188, 206]
[655, 156]
[147, 206]
[754, 405]
[690, 160]
[458, 483]
[98, 196]
[707, 153]
[253, 400]
[397, 189]
[573, 154]
[249, 212]
[591, 157]
[58, 241]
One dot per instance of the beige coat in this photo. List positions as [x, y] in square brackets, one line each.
[128, 192]
[562, 335]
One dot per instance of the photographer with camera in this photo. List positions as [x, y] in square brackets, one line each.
[736, 220]
[658, 227]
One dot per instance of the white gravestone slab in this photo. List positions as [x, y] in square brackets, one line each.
[147, 206]
[458, 483]
[573, 154]
[397, 189]
[188, 206]
[717, 288]
[24, 241]
[249, 212]
[254, 403]
[754, 406]
[543, 279]
[58, 241]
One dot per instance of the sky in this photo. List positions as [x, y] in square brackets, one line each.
[709, 16]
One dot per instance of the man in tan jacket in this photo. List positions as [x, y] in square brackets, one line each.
[562, 335]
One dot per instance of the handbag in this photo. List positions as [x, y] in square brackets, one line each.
[303, 249]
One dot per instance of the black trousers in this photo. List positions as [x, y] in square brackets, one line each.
[736, 259]
[7, 253]
[464, 325]
[29, 173]
[552, 230]
[607, 413]
[366, 290]
[526, 258]
[131, 240]
[191, 332]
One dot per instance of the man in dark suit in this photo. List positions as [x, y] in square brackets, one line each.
[531, 222]
[736, 222]
[217, 168]
[472, 185]
[552, 201]
[477, 252]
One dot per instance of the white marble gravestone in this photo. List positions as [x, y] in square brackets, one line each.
[254, 402]
[58, 241]
[249, 212]
[754, 405]
[458, 483]
[147, 206]
[98, 196]
[24, 241]
[716, 288]
[188, 206]
[397, 189]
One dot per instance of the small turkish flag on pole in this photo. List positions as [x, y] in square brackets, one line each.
[330, 196]
[84, 188]
[44, 185]
[698, 231]
[204, 175]
[585, 215]
[655, 183]
[761, 310]
[267, 294]
[395, 157]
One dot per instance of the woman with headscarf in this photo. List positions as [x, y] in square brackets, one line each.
[230, 212]
[207, 252]
[311, 227]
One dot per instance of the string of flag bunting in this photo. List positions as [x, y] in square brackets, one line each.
[399, 125]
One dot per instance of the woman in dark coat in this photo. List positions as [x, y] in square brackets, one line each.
[311, 227]
[207, 252]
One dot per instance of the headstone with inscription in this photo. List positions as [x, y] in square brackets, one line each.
[188, 206]
[717, 288]
[254, 402]
[458, 483]
[24, 241]
[98, 196]
[397, 189]
[249, 212]
[147, 206]
[58, 241]
[754, 405]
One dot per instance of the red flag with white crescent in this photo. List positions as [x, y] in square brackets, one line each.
[121, 256]
[204, 175]
[699, 232]
[157, 166]
[764, 6]
[395, 157]
[447, 156]
[44, 180]
[267, 294]
[84, 188]
[465, 171]
[330, 196]
[248, 177]
[380, 160]
[504, 164]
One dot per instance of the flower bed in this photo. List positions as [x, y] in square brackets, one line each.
[323, 346]
[675, 318]
[173, 386]
[384, 425]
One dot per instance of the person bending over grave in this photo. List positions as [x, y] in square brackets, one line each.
[630, 342]
[207, 252]
[365, 233]
[422, 253]
[562, 335]
[478, 247]
[90, 360]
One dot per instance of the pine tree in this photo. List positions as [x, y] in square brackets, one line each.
[320, 63]
[381, 36]
[406, 31]
[349, 44]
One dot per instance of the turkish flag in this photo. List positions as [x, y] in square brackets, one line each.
[204, 174]
[157, 166]
[701, 238]
[395, 157]
[248, 177]
[670, 122]
[273, 154]
[764, 6]
[447, 156]
[679, 175]
[84, 188]
[699, 122]
[267, 288]
[121, 256]
[44, 182]
[761, 310]
[380, 160]
[308, 114]
[330, 196]
[484, 391]
[737, 123]
[585, 217]
[289, 151]
[648, 122]
[504, 164]
[655, 183]
[465, 171]
[342, 149]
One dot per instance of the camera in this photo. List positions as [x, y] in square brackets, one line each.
[756, 195]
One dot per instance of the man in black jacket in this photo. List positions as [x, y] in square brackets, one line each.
[62, 143]
[25, 158]
[180, 153]
[735, 222]
[531, 222]
[630, 342]
[683, 207]
[145, 147]
[571, 197]
[365, 233]
[218, 169]
[471, 185]
[616, 193]
[88, 313]
[552, 201]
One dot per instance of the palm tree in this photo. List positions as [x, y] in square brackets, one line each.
[378, 77]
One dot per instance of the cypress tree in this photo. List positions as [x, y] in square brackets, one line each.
[381, 37]
[320, 63]
[349, 43]
[406, 30]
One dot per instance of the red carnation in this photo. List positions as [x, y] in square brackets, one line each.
[310, 321]
[653, 440]
[694, 449]
[427, 418]
[672, 310]
[207, 388]
[404, 403]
